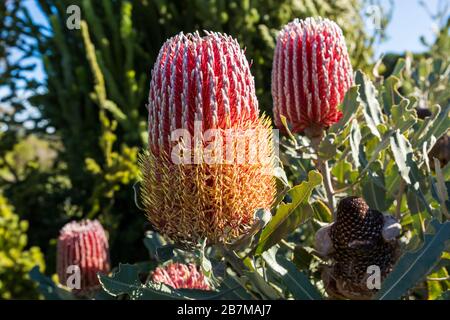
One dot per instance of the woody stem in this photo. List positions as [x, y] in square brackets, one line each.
[325, 170]
[316, 135]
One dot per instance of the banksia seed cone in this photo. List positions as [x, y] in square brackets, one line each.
[180, 276]
[83, 244]
[359, 239]
[203, 85]
[310, 75]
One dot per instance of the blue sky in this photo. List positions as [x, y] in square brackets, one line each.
[409, 22]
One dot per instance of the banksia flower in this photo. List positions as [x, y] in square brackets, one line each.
[360, 237]
[180, 276]
[310, 75]
[202, 87]
[82, 244]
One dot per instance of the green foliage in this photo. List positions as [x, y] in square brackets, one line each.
[289, 215]
[31, 177]
[414, 266]
[380, 152]
[15, 260]
[296, 282]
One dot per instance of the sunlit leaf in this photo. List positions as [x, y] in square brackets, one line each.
[289, 215]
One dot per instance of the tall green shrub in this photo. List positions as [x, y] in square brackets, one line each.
[15, 260]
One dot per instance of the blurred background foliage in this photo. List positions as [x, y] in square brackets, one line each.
[16, 261]
[75, 156]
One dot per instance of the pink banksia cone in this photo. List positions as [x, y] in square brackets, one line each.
[84, 245]
[200, 84]
[311, 74]
[181, 276]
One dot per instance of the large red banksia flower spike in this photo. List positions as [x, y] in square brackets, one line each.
[203, 84]
[180, 276]
[84, 245]
[311, 74]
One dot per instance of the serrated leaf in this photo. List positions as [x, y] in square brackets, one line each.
[368, 99]
[289, 215]
[403, 116]
[433, 127]
[390, 94]
[401, 148]
[399, 66]
[355, 142]
[408, 168]
[414, 266]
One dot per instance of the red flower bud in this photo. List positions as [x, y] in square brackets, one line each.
[181, 276]
[311, 74]
[83, 245]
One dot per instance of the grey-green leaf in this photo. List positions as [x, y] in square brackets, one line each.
[414, 266]
[368, 98]
[355, 142]
[295, 280]
[401, 148]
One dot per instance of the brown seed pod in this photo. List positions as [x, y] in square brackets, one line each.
[361, 238]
